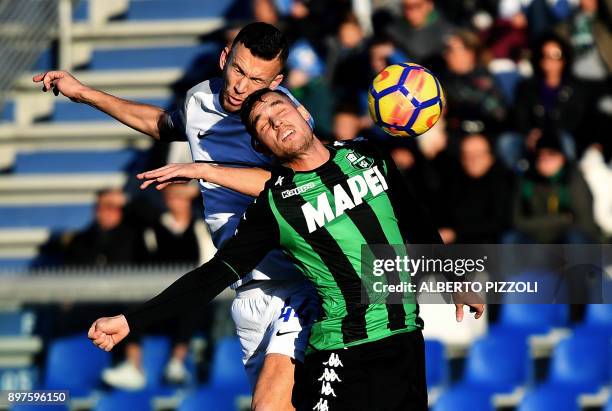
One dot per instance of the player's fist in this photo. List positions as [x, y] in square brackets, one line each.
[106, 332]
[60, 82]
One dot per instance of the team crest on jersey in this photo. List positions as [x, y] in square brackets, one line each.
[359, 161]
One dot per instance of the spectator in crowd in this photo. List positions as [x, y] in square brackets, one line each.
[591, 40]
[508, 38]
[347, 122]
[552, 203]
[541, 14]
[109, 239]
[421, 30]
[474, 102]
[176, 236]
[553, 98]
[478, 200]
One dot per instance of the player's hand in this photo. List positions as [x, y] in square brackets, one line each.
[178, 173]
[477, 309]
[60, 82]
[106, 332]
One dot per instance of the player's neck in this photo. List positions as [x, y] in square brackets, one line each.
[314, 157]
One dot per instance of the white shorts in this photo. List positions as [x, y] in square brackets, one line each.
[273, 317]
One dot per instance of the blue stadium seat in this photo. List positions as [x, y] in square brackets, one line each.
[457, 399]
[187, 9]
[580, 364]
[24, 407]
[155, 354]
[76, 161]
[66, 111]
[150, 58]
[74, 363]
[527, 319]
[15, 264]
[125, 401]
[496, 363]
[227, 370]
[17, 322]
[208, 399]
[46, 61]
[598, 315]
[8, 112]
[55, 217]
[608, 406]
[546, 398]
[435, 362]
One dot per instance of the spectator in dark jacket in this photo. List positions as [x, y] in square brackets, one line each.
[109, 239]
[553, 204]
[477, 203]
[474, 102]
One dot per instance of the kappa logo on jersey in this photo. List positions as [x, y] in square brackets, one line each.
[329, 376]
[372, 181]
[297, 190]
[334, 361]
[326, 389]
[321, 405]
[279, 181]
[359, 161]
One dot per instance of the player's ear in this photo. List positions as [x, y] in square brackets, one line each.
[276, 82]
[224, 57]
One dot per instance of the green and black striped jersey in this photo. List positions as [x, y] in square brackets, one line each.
[321, 219]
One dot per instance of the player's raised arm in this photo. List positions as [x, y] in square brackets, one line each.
[145, 118]
[257, 234]
[249, 181]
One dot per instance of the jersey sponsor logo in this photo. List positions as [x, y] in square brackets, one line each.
[370, 182]
[279, 181]
[334, 361]
[359, 161]
[297, 190]
[329, 376]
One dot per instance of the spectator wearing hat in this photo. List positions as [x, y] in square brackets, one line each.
[552, 203]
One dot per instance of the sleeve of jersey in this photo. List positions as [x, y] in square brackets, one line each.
[415, 221]
[254, 238]
[173, 125]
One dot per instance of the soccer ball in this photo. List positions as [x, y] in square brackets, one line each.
[405, 100]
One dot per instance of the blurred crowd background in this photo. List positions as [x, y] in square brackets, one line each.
[522, 154]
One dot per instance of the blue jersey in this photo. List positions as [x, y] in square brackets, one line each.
[214, 134]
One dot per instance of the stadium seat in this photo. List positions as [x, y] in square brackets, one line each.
[8, 112]
[608, 406]
[189, 9]
[76, 161]
[155, 354]
[68, 111]
[208, 399]
[75, 364]
[24, 378]
[27, 407]
[496, 363]
[435, 362]
[527, 319]
[598, 315]
[549, 399]
[227, 370]
[580, 364]
[17, 323]
[15, 264]
[55, 217]
[148, 58]
[457, 399]
[125, 401]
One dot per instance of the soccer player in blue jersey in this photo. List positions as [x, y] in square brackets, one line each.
[274, 306]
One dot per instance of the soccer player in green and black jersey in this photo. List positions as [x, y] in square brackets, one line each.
[320, 208]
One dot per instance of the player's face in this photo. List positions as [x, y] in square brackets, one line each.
[244, 73]
[281, 127]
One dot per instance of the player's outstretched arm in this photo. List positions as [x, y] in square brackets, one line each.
[145, 118]
[249, 181]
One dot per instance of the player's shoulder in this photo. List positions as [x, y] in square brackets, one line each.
[209, 87]
[358, 144]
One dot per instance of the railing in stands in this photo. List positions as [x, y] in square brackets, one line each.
[27, 28]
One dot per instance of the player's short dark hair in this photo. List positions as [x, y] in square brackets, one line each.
[247, 107]
[264, 41]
